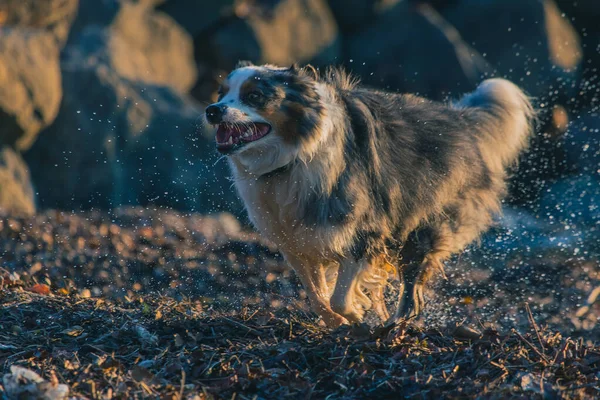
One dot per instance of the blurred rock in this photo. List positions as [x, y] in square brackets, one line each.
[94, 12]
[137, 42]
[55, 16]
[30, 86]
[288, 31]
[529, 42]
[16, 192]
[582, 143]
[413, 49]
[120, 142]
[584, 14]
[352, 15]
[573, 202]
[198, 16]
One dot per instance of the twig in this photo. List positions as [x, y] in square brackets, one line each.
[563, 350]
[242, 325]
[535, 327]
[182, 384]
[535, 349]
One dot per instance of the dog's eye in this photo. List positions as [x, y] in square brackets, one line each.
[254, 96]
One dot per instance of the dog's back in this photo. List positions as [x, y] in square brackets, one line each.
[423, 157]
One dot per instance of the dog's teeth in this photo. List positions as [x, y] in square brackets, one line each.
[230, 141]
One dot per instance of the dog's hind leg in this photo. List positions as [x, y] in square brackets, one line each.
[409, 263]
[313, 278]
[426, 251]
[423, 254]
[416, 276]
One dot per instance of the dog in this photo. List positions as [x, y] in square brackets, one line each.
[354, 184]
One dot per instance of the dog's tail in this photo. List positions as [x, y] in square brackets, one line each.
[505, 119]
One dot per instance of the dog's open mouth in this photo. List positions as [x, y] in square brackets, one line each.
[230, 137]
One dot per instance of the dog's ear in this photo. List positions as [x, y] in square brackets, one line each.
[311, 71]
[308, 71]
[293, 69]
[243, 63]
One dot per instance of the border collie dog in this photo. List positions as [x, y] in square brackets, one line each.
[349, 182]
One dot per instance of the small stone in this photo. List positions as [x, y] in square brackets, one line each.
[465, 332]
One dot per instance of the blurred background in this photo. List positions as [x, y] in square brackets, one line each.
[100, 99]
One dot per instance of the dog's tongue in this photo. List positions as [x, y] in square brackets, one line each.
[262, 129]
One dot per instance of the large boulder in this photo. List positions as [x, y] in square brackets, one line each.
[55, 16]
[413, 49]
[118, 142]
[352, 15]
[198, 16]
[139, 43]
[584, 13]
[413, 46]
[16, 192]
[30, 84]
[281, 32]
[528, 41]
[126, 132]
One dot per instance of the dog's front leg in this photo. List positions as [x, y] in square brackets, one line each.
[347, 297]
[312, 276]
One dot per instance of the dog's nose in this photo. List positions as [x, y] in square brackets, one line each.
[214, 113]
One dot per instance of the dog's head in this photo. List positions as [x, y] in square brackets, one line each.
[265, 115]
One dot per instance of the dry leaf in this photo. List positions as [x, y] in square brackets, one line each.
[40, 288]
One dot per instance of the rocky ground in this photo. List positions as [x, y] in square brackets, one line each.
[151, 303]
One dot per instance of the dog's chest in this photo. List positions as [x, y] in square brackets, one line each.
[272, 208]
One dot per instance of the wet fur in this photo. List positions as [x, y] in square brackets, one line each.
[372, 178]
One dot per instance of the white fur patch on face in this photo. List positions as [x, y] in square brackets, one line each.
[235, 80]
[238, 112]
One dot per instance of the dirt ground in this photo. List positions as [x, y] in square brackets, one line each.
[142, 303]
